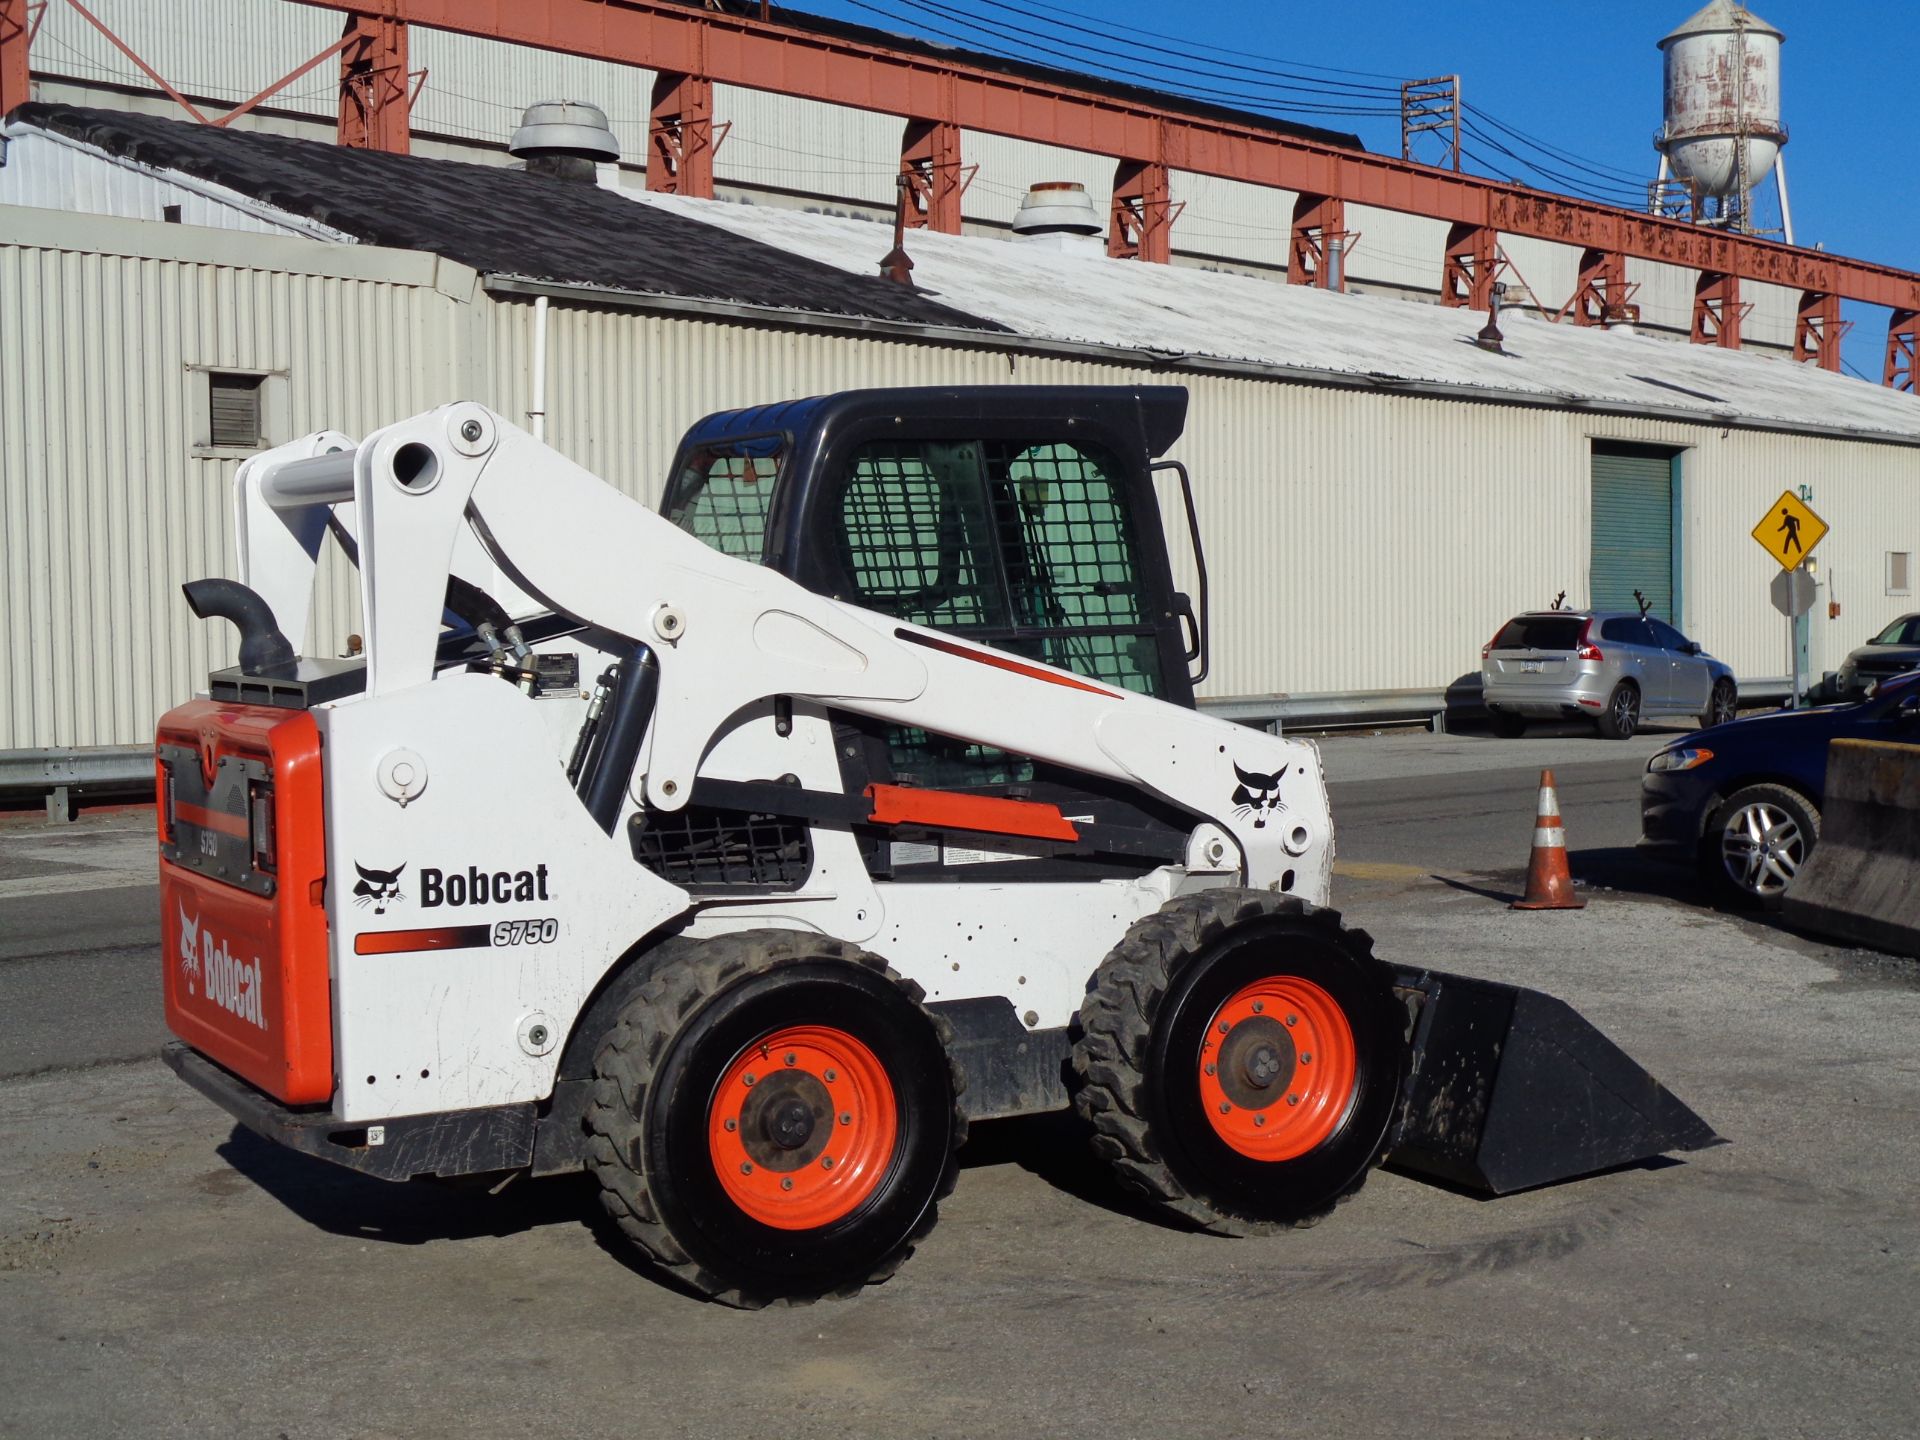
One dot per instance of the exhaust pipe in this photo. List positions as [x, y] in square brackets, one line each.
[264, 650]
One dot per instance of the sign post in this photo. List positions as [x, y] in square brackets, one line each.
[1788, 532]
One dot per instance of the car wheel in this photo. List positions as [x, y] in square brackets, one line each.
[1756, 843]
[1721, 707]
[1506, 723]
[1622, 715]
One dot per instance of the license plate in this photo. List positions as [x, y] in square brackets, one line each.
[1529, 667]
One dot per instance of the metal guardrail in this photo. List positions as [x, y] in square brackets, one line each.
[1436, 708]
[64, 775]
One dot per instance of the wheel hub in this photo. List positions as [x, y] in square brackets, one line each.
[1257, 1059]
[786, 1120]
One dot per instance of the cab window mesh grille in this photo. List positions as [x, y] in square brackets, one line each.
[724, 493]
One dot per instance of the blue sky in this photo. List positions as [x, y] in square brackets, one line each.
[1583, 78]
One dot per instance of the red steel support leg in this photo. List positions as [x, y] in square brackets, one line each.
[16, 37]
[1903, 343]
[1319, 229]
[373, 84]
[930, 161]
[1141, 224]
[1471, 267]
[1717, 310]
[1602, 294]
[680, 136]
[1817, 334]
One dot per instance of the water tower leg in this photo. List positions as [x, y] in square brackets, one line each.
[1786, 210]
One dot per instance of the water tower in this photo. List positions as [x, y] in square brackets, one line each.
[1722, 133]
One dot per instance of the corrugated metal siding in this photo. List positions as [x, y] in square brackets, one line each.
[107, 508]
[1355, 540]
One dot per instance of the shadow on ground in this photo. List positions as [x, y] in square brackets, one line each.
[345, 1202]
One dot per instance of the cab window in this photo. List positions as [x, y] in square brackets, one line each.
[723, 494]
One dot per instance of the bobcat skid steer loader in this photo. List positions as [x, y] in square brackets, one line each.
[744, 854]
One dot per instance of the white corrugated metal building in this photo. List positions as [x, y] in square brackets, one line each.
[1376, 492]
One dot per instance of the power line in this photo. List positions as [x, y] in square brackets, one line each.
[1007, 45]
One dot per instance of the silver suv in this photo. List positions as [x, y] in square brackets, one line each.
[1613, 668]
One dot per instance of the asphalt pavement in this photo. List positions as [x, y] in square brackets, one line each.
[165, 1273]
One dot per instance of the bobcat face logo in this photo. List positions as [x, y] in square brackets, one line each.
[377, 887]
[189, 947]
[1258, 795]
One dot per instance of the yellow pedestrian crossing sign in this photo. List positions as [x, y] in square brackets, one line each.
[1789, 530]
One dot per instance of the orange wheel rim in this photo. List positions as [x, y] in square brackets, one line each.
[1278, 1071]
[802, 1127]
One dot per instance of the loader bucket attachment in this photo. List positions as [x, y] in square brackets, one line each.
[1510, 1089]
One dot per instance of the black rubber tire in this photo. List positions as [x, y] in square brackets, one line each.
[1506, 723]
[1722, 705]
[1138, 1049]
[1727, 888]
[1621, 718]
[656, 1069]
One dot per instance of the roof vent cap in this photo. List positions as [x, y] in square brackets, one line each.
[1058, 207]
[563, 130]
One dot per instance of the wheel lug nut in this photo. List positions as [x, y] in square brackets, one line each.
[749, 1078]
[846, 1117]
[746, 1167]
[790, 1057]
[1259, 1007]
[1211, 1067]
[826, 1162]
[1259, 1120]
[787, 1183]
[1226, 1107]
[1225, 1026]
[831, 1076]
[1293, 1019]
[1306, 1057]
[733, 1124]
[1293, 1099]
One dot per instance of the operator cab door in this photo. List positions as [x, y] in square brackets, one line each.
[1690, 681]
[1642, 660]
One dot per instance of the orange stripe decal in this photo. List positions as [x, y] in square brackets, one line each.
[1005, 662]
[396, 942]
[234, 825]
[949, 810]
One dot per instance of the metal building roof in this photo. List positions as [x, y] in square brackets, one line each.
[1187, 317]
[498, 220]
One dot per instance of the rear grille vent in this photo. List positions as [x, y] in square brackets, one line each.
[702, 846]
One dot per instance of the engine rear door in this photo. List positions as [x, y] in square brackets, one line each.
[242, 893]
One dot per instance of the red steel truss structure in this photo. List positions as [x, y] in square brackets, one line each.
[938, 97]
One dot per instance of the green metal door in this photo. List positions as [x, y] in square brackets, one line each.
[1634, 530]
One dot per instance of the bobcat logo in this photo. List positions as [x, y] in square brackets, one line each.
[377, 887]
[189, 947]
[1258, 795]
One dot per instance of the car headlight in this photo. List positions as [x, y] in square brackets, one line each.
[1683, 759]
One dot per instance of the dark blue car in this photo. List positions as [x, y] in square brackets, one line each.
[1743, 799]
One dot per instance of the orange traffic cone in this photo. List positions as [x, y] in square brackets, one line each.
[1549, 882]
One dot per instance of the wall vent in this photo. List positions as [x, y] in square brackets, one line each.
[233, 410]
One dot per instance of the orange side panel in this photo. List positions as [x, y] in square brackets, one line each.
[950, 810]
[246, 975]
